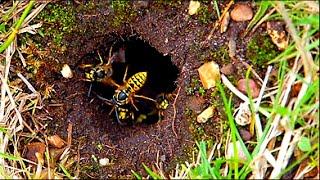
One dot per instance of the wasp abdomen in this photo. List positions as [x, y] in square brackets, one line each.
[136, 81]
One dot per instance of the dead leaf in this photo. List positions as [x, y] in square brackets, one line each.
[56, 141]
[209, 74]
[32, 149]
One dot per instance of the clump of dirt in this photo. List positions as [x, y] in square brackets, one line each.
[159, 38]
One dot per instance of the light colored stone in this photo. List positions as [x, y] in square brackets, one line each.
[66, 71]
[209, 74]
[205, 115]
[253, 87]
[241, 12]
[193, 7]
[104, 162]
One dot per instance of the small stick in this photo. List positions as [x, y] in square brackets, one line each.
[175, 111]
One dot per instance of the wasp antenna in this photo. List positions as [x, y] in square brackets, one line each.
[113, 108]
[89, 92]
[108, 101]
[144, 97]
[125, 75]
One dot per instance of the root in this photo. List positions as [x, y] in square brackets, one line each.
[175, 112]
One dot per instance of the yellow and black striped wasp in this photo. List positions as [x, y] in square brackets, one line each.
[101, 72]
[124, 95]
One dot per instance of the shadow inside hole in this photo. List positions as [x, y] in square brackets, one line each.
[139, 56]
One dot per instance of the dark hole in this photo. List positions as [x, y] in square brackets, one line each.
[139, 57]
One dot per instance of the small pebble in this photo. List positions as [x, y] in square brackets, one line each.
[252, 86]
[193, 7]
[104, 161]
[66, 71]
[241, 12]
[209, 74]
[205, 115]
[245, 134]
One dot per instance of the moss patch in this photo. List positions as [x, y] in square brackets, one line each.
[58, 20]
[123, 12]
[221, 55]
[260, 50]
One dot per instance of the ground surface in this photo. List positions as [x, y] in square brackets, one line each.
[167, 28]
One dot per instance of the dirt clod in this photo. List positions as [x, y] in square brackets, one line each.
[276, 30]
[228, 69]
[241, 12]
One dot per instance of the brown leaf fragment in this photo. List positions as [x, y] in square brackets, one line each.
[225, 22]
[32, 149]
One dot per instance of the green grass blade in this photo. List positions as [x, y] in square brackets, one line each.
[263, 7]
[8, 156]
[151, 173]
[26, 11]
[65, 171]
[136, 175]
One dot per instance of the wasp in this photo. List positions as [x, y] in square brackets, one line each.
[101, 72]
[162, 102]
[124, 94]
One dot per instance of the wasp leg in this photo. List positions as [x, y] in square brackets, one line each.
[83, 79]
[110, 58]
[89, 92]
[125, 75]
[109, 81]
[144, 97]
[83, 66]
[117, 116]
[132, 102]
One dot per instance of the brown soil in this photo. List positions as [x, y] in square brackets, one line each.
[172, 32]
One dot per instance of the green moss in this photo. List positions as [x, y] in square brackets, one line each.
[123, 12]
[169, 3]
[205, 14]
[58, 20]
[260, 50]
[195, 87]
[221, 55]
